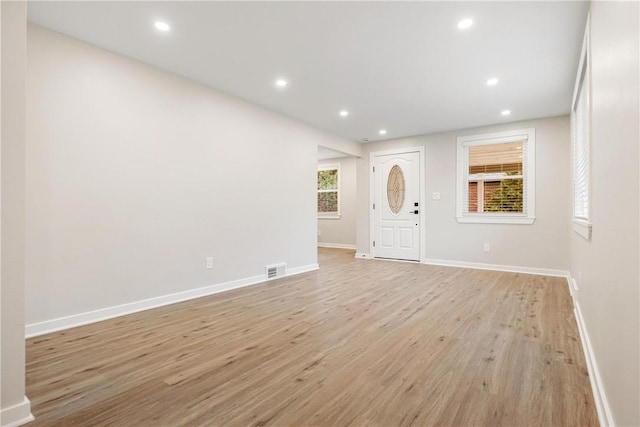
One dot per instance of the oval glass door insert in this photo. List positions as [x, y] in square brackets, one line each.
[395, 189]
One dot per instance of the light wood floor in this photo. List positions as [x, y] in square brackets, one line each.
[358, 343]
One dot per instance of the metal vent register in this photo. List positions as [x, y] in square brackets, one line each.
[275, 270]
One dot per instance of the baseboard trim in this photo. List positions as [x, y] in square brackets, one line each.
[362, 255]
[61, 323]
[498, 267]
[336, 245]
[605, 416]
[300, 270]
[16, 415]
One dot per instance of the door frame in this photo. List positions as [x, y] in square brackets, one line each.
[422, 195]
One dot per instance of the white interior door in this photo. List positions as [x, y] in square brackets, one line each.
[396, 208]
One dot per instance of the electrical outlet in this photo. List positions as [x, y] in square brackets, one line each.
[209, 263]
[486, 247]
[319, 232]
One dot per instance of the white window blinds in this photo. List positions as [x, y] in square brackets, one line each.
[495, 178]
[581, 148]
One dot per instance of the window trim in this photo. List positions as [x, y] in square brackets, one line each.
[330, 215]
[528, 172]
[581, 225]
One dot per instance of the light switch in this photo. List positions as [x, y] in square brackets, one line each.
[435, 196]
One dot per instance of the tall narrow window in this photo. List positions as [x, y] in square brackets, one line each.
[329, 191]
[496, 178]
[580, 116]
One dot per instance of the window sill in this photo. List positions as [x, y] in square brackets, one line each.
[582, 227]
[338, 216]
[495, 220]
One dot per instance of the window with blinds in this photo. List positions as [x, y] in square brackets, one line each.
[496, 178]
[580, 143]
[580, 152]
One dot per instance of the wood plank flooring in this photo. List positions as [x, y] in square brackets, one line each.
[359, 342]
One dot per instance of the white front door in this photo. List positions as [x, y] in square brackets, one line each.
[396, 208]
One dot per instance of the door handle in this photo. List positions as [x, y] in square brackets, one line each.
[415, 212]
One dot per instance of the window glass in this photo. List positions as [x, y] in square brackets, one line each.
[328, 190]
[395, 189]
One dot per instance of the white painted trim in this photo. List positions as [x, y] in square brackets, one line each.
[299, 270]
[422, 192]
[498, 267]
[423, 203]
[485, 219]
[362, 255]
[61, 323]
[573, 285]
[582, 227]
[16, 415]
[372, 198]
[336, 245]
[605, 416]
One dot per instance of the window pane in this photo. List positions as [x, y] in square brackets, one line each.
[395, 189]
[473, 197]
[328, 179]
[496, 158]
[503, 196]
[493, 164]
[328, 202]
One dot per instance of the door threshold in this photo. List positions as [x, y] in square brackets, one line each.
[398, 260]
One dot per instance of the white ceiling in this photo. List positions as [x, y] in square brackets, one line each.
[401, 66]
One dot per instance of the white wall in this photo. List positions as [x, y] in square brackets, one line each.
[606, 268]
[542, 245]
[15, 408]
[341, 231]
[135, 175]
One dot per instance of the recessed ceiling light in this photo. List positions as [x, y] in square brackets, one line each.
[281, 83]
[505, 112]
[492, 81]
[465, 23]
[344, 113]
[382, 132]
[162, 26]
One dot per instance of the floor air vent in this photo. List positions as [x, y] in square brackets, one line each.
[275, 270]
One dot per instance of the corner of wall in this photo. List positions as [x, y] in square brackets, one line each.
[605, 416]
[15, 406]
[16, 415]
